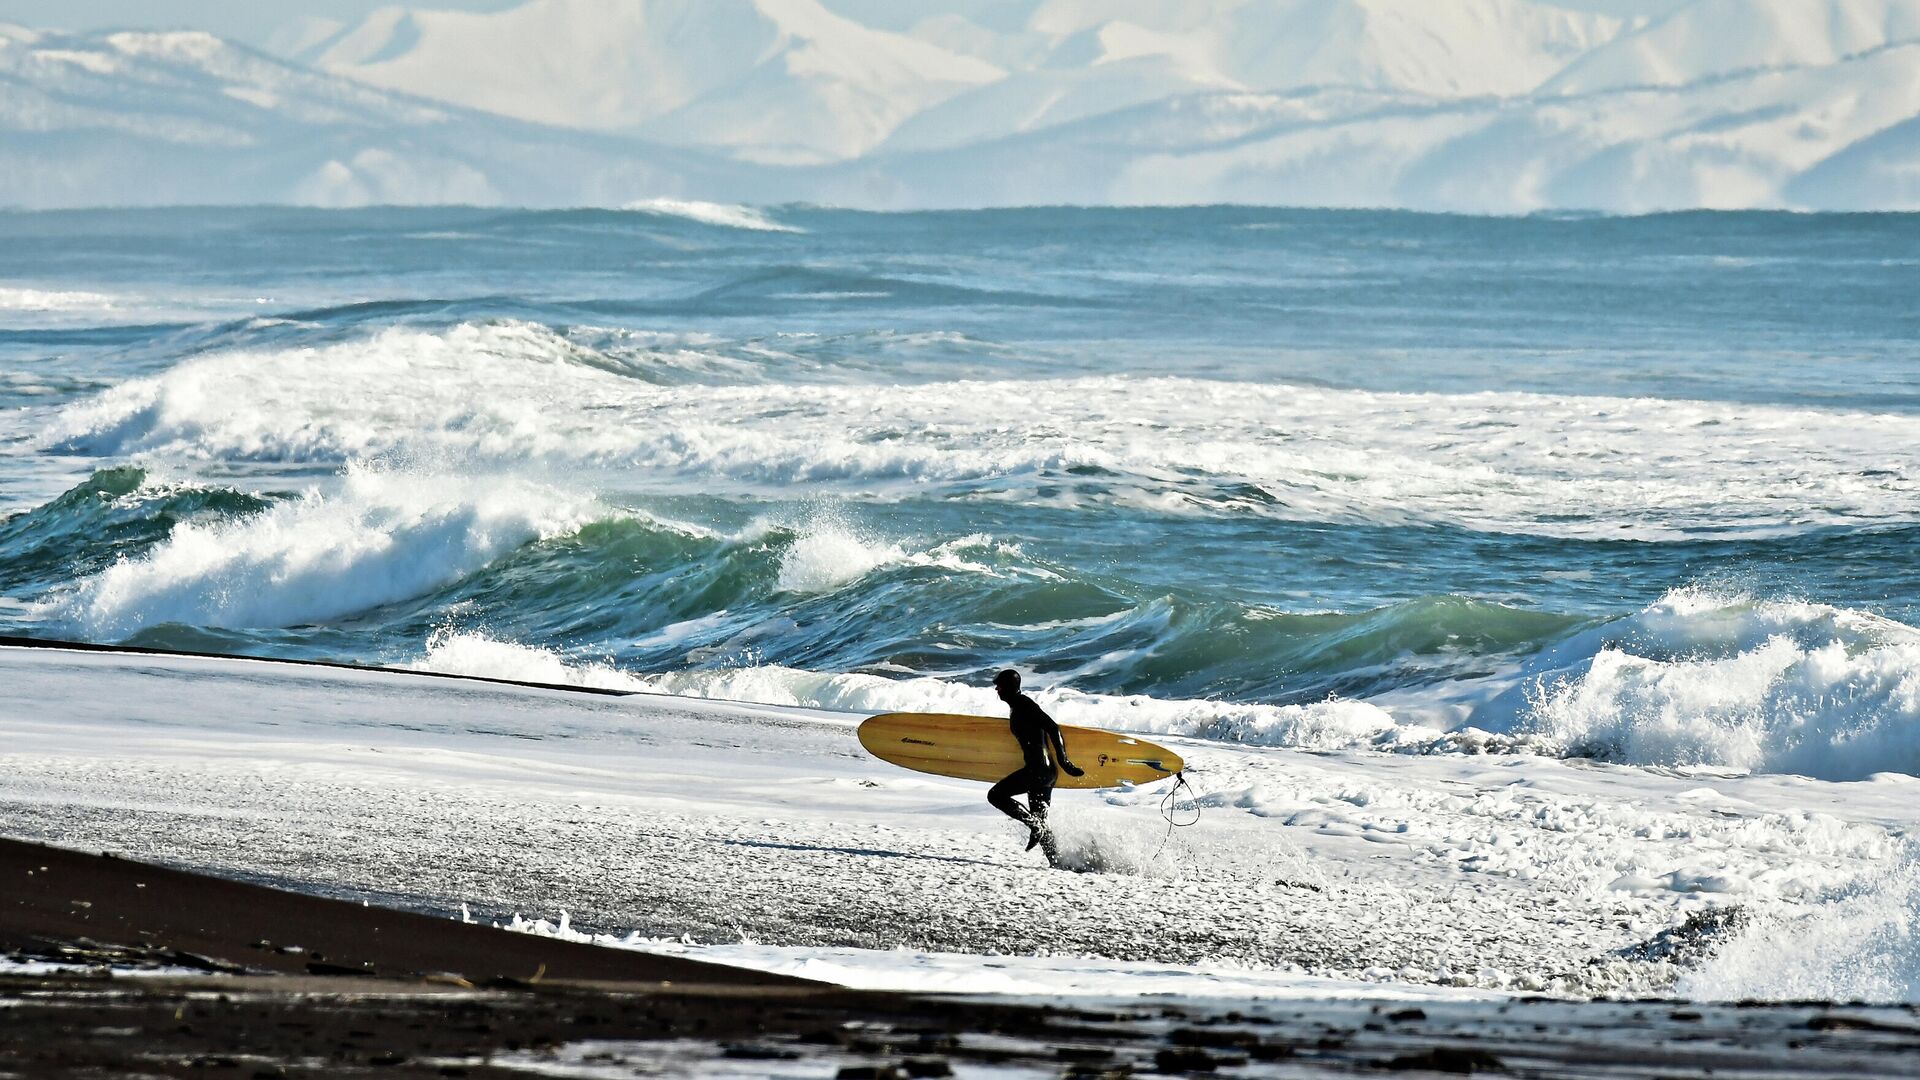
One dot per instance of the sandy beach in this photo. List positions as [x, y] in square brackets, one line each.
[321, 901]
[765, 836]
[110, 966]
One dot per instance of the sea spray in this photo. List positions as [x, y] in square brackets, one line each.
[1704, 678]
[1092, 843]
[829, 554]
[1859, 944]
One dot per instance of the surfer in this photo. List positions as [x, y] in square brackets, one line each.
[1038, 737]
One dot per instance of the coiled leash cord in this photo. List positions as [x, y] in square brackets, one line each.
[1170, 809]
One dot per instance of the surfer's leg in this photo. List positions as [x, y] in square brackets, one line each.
[1038, 801]
[1001, 796]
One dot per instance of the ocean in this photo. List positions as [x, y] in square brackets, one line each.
[1643, 490]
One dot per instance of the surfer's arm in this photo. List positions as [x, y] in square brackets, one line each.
[1059, 742]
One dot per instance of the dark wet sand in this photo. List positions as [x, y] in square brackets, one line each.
[59, 895]
[152, 988]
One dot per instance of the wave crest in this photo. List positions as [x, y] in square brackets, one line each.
[825, 555]
[1702, 678]
[380, 539]
[688, 414]
[725, 215]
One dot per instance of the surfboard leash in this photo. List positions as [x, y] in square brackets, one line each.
[1168, 805]
[1168, 809]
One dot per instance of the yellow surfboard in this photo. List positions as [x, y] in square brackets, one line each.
[982, 748]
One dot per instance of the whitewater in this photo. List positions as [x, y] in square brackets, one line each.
[1571, 552]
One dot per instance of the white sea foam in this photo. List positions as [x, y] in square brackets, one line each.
[1697, 679]
[507, 392]
[25, 305]
[1862, 944]
[1323, 726]
[824, 559]
[729, 215]
[18, 298]
[916, 971]
[829, 553]
[451, 652]
[1703, 678]
[380, 538]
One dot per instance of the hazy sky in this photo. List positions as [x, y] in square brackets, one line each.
[253, 20]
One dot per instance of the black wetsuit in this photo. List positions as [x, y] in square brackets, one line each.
[1044, 749]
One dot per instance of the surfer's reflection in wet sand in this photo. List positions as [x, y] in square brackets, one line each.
[1038, 737]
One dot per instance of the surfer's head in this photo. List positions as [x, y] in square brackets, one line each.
[1007, 684]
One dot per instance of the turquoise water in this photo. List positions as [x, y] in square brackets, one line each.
[1449, 466]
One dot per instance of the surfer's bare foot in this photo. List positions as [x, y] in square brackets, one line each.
[1034, 835]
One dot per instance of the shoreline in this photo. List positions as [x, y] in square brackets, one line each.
[12, 641]
[438, 997]
[767, 836]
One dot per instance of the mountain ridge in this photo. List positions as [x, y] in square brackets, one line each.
[1049, 101]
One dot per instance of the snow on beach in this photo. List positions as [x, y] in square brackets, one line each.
[767, 833]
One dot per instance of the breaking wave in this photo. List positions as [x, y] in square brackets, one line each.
[113, 514]
[1323, 725]
[690, 415]
[1703, 678]
[1694, 680]
[818, 609]
[1838, 705]
[725, 215]
[381, 538]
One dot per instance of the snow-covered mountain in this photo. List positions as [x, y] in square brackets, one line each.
[1838, 136]
[1714, 38]
[146, 118]
[1476, 105]
[790, 80]
[771, 80]
[1087, 58]
[1756, 140]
